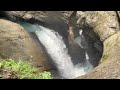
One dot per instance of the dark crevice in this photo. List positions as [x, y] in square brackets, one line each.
[93, 38]
[118, 17]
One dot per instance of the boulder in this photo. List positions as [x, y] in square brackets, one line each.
[109, 67]
[18, 44]
[106, 25]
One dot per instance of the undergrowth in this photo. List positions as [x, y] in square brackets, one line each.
[24, 70]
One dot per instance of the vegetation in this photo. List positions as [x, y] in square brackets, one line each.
[104, 57]
[24, 70]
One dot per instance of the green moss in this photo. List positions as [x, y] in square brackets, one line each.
[105, 56]
[108, 45]
[24, 70]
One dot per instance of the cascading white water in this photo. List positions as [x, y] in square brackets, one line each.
[57, 49]
[80, 40]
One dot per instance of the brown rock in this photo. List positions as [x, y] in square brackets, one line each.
[18, 44]
[7, 74]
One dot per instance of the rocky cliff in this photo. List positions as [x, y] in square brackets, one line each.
[106, 25]
[101, 29]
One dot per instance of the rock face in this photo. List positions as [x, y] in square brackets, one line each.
[106, 25]
[43, 16]
[51, 19]
[56, 20]
[110, 62]
[17, 44]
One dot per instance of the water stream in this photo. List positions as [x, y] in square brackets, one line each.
[58, 51]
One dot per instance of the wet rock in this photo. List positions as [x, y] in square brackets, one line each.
[106, 25]
[56, 20]
[109, 67]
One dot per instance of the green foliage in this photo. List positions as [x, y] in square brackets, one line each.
[105, 56]
[46, 75]
[24, 70]
[108, 45]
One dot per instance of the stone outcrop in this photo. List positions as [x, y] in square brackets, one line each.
[106, 25]
[109, 67]
[18, 44]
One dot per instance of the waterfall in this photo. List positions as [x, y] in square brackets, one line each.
[56, 48]
[58, 51]
[80, 40]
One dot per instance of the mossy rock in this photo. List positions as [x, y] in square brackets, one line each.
[21, 70]
[105, 56]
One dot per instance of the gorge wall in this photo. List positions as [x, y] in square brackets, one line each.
[100, 28]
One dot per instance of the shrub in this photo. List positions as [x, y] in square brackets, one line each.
[24, 70]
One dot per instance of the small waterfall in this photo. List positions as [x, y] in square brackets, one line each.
[80, 40]
[58, 51]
